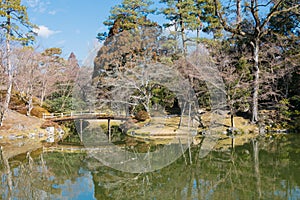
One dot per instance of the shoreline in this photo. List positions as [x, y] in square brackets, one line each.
[22, 126]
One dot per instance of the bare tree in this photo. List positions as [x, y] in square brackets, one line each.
[51, 66]
[133, 86]
[253, 26]
[27, 78]
[65, 78]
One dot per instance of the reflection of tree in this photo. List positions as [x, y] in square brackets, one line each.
[64, 166]
[39, 178]
[251, 171]
[29, 179]
[220, 175]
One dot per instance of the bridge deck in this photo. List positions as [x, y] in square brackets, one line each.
[60, 117]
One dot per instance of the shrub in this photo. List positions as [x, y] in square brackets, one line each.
[38, 111]
[142, 115]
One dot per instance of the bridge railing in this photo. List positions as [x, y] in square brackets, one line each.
[71, 114]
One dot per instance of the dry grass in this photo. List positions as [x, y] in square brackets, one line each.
[240, 123]
[165, 130]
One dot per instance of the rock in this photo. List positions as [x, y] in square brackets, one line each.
[129, 124]
[20, 144]
[31, 135]
[232, 131]
[60, 131]
[12, 137]
[205, 132]
[50, 130]
[19, 127]
[41, 135]
[132, 133]
[50, 139]
[20, 136]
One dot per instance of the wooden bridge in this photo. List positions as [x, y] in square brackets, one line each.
[84, 115]
[70, 116]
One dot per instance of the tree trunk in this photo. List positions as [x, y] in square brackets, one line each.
[256, 168]
[238, 12]
[183, 40]
[183, 104]
[43, 94]
[189, 142]
[182, 31]
[198, 39]
[8, 173]
[9, 74]
[230, 102]
[29, 102]
[255, 46]
[231, 118]
[29, 105]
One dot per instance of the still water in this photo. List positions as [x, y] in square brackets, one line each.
[267, 168]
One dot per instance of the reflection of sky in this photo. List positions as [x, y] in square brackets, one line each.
[295, 193]
[291, 193]
[82, 188]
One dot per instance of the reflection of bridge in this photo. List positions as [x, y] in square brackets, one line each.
[80, 116]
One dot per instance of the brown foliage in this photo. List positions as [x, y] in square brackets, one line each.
[38, 111]
[142, 116]
[48, 124]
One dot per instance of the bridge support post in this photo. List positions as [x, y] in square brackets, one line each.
[109, 130]
[80, 130]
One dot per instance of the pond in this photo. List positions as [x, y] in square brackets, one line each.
[265, 168]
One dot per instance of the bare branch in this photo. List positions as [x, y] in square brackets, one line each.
[225, 25]
[274, 12]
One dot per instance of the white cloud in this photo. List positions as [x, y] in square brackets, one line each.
[60, 43]
[44, 31]
[38, 5]
[52, 12]
[32, 3]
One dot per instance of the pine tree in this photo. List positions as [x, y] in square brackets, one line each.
[128, 15]
[191, 16]
[182, 16]
[205, 11]
[128, 27]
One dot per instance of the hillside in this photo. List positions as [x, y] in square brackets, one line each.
[14, 135]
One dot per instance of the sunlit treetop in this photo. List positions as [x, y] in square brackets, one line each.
[128, 15]
[15, 23]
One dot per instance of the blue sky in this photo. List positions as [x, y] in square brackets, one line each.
[69, 24]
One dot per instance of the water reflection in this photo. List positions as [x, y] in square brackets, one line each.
[261, 169]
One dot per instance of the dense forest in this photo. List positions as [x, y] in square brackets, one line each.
[254, 45]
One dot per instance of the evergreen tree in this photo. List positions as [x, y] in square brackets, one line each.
[193, 16]
[182, 16]
[130, 14]
[128, 37]
[205, 11]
